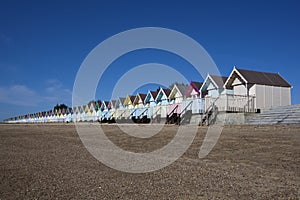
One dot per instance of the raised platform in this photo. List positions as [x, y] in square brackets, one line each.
[278, 115]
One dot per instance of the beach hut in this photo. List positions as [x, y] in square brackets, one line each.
[193, 90]
[213, 86]
[263, 90]
[81, 113]
[175, 98]
[47, 115]
[69, 115]
[192, 98]
[128, 102]
[211, 89]
[162, 97]
[138, 102]
[63, 114]
[120, 110]
[85, 113]
[98, 109]
[105, 113]
[55, 116]
[150, 99]
[112, 108]
[75, 113]
[150, 102]
[140, 109]
[162, 101]
[51, 116]
[177, 93]
[129, 107]
[91, 115]
[120, 103]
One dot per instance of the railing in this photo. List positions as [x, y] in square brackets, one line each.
[210, 111]
[143, 112]
[172, 112]
[155, 114]
[112, 113]
[185, 109]
[223, 103]
[236, 103]
[106, 112]
[131, 114]
[121, 114]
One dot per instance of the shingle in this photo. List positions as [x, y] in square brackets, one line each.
[142, 96]
[219, 80]
[197, 84]
[154, 94]
[181, 88]
[263, 78]
[167, 91]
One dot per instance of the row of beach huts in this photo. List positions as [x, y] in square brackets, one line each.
[244, 91]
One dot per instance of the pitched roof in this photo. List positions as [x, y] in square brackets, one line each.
[142, 96]
[181, 88]
[91, 103]
[193, 86]
[112, 104]
[263, 78]
[196, 84]
[150, 93]
[99, 102]
[104, 104]
[132, 98]
[129, 99]
[167, 91]
[260, 78]
[154, 94]
[121, 100]
[138, 97]
[219, 80]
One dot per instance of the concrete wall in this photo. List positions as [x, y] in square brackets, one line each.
[224, 118]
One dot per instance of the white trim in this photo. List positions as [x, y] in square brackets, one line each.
[161, 90]
[231, 74]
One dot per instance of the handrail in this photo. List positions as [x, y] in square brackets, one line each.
[105, 114]
[247, 105]
[143, 112]
[152, 118]
[172, 112]
[121, 114]
[133, 112]
[111, 114]
[211, 106]
[157, 111]
[213, 103]
[186, 107]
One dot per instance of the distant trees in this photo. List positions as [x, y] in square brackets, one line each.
[176, 83]
[60, 107]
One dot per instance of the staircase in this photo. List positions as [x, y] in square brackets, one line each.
[142, 118]
[157, 117]
[278, 115]
[172, 117]
[209, 116]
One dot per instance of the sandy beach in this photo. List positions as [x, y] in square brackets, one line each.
[49, 161]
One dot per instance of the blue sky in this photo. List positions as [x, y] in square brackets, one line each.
[43, 43]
